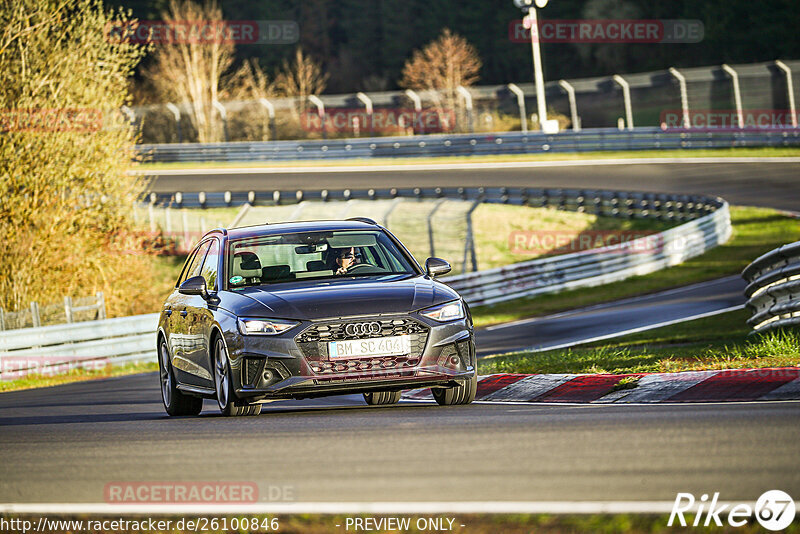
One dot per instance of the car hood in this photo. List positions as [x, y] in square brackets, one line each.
[338, 298]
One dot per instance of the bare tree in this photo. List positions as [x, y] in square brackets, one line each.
[443, 65]
[190, 70]
[300, 78]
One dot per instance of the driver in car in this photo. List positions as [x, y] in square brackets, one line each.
[345, 259]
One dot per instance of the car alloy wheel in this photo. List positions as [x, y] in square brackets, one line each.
[222, 382]
[175, 401]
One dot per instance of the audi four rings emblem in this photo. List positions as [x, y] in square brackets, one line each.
[363, 329]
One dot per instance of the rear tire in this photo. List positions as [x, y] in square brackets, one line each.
[176, 403]
[463, 393]
[226, 397]
[375, 398]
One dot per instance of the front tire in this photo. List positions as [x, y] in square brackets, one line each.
[226, 398]
[374, 398]
[463, 393]
[175, 401]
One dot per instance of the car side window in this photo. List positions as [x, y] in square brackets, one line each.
[209, 270]
[193, 268]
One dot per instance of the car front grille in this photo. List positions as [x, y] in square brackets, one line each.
[313, 342]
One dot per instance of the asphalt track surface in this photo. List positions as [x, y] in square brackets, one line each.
[750, 183]
[65, 444]
[612, 319]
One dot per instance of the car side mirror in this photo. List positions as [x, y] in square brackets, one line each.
[436, 266]
[195, 285]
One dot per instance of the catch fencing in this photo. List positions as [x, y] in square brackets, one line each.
[773, 289]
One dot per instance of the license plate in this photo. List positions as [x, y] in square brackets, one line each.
[364, 348]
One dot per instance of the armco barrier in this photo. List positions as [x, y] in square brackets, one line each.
[114, 341]
[773, 289]
[589, 140]
[594, 267]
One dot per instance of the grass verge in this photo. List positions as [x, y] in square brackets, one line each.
[76, 375]
[717, 342]
[755, 231]
[699, 153]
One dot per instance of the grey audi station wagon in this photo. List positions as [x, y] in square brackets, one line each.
[309, 309]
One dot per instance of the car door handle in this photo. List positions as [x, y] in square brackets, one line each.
[184, 313]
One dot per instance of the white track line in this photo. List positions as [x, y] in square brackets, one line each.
[400, 167]
[416, 508]
[613, 304]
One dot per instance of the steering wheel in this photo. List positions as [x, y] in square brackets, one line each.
[360, 267]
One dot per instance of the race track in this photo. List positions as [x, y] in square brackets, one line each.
[750, 183]
[64, 444]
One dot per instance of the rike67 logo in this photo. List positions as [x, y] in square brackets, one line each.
[774, 510]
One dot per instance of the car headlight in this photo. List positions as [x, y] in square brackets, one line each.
[449, 311]
[265, 327]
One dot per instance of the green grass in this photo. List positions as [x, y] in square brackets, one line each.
[77, 375]
[755, 231]
[717, 342]
[699, 153]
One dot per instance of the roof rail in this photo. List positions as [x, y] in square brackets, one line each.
[363, 219]
[223, 231]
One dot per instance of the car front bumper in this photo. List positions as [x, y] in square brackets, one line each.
[278, 367]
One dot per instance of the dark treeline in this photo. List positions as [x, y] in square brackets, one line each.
[363, 44]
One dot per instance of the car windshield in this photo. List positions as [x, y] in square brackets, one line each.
[312, 256]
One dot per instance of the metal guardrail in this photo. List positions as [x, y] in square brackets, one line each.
[597, 266]
[773, 289]
[68, 346]
[600, 139]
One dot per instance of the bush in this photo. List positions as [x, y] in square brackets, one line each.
[64, 155]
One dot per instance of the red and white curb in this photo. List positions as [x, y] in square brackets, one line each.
[689, 386]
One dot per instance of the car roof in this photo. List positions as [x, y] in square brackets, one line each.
[297, 226]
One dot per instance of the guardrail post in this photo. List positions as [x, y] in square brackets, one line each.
[368, 104]
[314, 99]
[737, 95]
[687, 121]
[417, 110]
[468, 104]
[223, 114]
[523, 117]
[271, 114]
[573, 104]
[35, 315]
[2, 319]
[168, 220]
[790, 88]
[68, 309]
[151, 216]
[626, 96]
[101, 306]
[176, 114]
